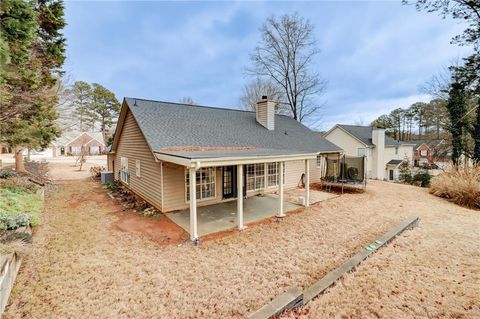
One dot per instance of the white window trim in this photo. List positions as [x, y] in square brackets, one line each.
[364, 151]
[255, 178]
[266, 175]
[137, 168]
[124, 172]
[318, 161]
[214, 169]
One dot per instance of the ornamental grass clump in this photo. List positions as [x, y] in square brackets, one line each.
[459, 185]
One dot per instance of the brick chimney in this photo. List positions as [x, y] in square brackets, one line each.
[266, 113]
[378, 139]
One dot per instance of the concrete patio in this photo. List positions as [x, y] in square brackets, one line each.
[223, 216]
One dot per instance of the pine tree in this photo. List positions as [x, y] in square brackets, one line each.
[106, 107]
[83, 110]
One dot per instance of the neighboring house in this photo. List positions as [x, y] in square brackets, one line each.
[159, 147]
[72, 143]
[378, 148]
[423, 153]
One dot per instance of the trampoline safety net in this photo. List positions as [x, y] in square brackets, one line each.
[346, 169]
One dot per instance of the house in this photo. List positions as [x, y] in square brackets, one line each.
[72, 143]
[159, 147]
[383, 153]
[423, 153]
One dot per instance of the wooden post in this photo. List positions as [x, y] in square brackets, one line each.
[307, 184]
[280, 190]
[240, 197]
[193, 204]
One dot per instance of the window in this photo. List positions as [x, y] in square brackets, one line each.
[319, 160]
[255, 176]
[124, 175]
[360, 152]
[272, 174]
[204, 182]
[423, 152]
[137, 168]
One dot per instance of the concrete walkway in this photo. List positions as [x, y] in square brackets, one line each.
[223, 216]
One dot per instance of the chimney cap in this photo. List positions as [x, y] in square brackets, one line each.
[264, 97]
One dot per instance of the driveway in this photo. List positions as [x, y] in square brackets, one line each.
[82, 266]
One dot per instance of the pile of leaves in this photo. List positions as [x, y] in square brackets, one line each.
[459, 185]
[130, 201]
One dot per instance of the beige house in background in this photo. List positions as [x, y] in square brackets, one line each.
[160, 147]
[383, 153]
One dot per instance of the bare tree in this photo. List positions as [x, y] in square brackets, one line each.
[253, 92]
[285, 55]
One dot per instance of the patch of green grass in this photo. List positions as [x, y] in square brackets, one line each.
[14, 201]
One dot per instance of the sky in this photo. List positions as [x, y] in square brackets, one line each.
[375, 55]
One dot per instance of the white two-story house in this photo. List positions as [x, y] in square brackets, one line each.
[383, 153]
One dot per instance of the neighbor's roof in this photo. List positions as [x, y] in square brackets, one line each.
[364, 134]
[69, 136]
[168, 127]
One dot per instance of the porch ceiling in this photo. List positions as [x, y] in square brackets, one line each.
[223, 216]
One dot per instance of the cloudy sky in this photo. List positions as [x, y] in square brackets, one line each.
[375, 55]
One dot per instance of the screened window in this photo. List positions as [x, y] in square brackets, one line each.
[272, 174]
[255, 176]
[319, 161]
[124, 174]
[204, 182]
[137, 168]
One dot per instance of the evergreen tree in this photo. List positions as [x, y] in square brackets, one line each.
[106, 107]
[30, 117]
[83, 110]
[457, 111]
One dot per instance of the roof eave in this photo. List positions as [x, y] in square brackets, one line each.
[231, 160]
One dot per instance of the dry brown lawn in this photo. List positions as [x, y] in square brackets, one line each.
[82, 267]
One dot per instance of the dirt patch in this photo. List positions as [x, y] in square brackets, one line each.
[159, 228]
[338, 188]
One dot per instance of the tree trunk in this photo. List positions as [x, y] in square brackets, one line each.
[19, 166]
[476, 136]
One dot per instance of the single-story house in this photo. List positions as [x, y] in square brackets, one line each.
[160, 147]
[72, 143]
[378, 148]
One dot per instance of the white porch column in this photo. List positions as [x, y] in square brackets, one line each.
[280, 190]
[240, 197]
[307, 183]
[193, 204]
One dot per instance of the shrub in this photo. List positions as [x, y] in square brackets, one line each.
[6, 173]
[459, 185]
[421, 179]
[14, 221]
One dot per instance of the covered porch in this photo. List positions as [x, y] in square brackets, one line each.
[241, 206]
[223, 216]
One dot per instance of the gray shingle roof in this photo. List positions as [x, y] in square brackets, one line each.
[166, 124]
[364, 134]
[394, 162]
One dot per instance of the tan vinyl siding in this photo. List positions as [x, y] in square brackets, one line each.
[133, 146]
